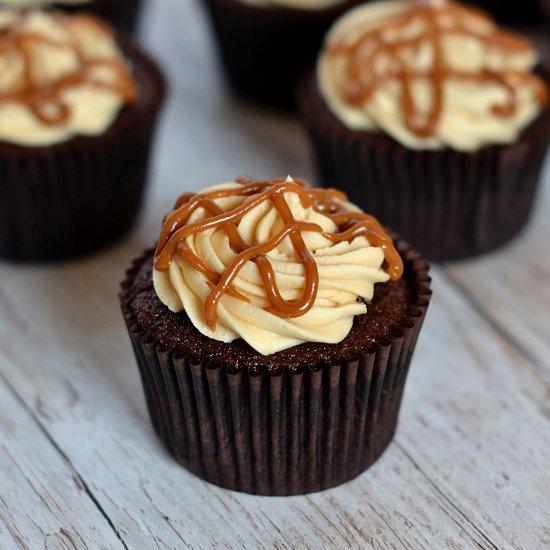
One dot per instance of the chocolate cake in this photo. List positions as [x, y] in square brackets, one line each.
[302, 419]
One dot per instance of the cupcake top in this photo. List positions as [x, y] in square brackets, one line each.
[306, 5]
[431, 74]
[60, 76]
[275, 262]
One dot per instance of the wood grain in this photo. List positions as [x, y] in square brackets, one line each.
[43, 501]
[81, 466]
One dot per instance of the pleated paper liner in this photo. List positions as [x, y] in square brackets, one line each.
[71, 198]
[263, 48]
[122, 14]
[281, 432]
[450, 204]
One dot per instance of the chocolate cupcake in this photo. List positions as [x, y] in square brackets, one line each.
[439, 129]
[265, 44]
[123, 14]
[77, 115]
[273, 330]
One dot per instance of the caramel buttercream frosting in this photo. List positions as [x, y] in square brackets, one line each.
[431, 74]
[60, 76]
[275, 262]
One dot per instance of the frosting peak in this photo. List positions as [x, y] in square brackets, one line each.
[60, 75]
[273, 262]
[431, 74]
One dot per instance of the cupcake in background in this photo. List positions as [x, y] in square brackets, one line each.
[77, 113]
[433, 119]
[273, 328]
[123, 14]
[265, 44]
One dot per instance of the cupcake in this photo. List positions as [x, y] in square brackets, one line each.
[123, 14]
[264, 44]
[77, 113]
[432, 119]
[273, 328]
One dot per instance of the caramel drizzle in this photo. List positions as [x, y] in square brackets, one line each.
[45, 100]
[362, 81]
[176, 230]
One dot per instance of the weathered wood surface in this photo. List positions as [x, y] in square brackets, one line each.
[81, 467]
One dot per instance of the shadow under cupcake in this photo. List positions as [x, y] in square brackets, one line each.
[432, 118]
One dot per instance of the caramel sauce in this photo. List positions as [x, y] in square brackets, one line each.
[45, 99]
[176, 229]
[438, 22]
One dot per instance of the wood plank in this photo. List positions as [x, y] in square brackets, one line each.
[510, 287]
[43, 503]
[480, 424]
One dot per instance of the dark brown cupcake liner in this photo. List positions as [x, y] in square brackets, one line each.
[123, 14]
[510, 12]
[263, 49]
[71, 198]
[283, 431]
[450, 204]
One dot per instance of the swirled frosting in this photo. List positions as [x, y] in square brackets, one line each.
[272, 262]
[60, 76]
[307, 5]
[431, 74]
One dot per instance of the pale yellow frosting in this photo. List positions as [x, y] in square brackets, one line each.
[91, 109]
[308, 5]
[468, 121]
[346, 270]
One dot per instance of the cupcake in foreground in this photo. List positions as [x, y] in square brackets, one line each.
[123, 14]
[434, 120]
[265, 44]
[77, 113]
[273, 328]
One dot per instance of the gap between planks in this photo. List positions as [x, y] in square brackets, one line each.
[77, 476]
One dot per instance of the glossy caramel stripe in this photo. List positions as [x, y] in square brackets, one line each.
[361, 82]
[176, 230]
[46, 100]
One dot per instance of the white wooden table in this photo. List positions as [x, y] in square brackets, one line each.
[80, 466]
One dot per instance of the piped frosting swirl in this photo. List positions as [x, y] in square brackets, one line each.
[431, 74]
[60, 76]
[273, 262]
